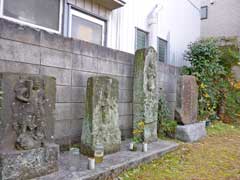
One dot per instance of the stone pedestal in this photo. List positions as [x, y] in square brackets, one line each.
[100, 124]
[145, 101]
[191, 132]
[27, 107]
[187, 100]
[27, 164]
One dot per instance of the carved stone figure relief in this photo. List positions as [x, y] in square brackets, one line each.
[145, 103]
[29, 113]
[101, 116]
[27, 126]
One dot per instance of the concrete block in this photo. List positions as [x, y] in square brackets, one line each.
[171, 107]
[125, 83]
[161, 76]
[63, 111]
[126, 122]
[85, 48]
[160, 87]
[191, 132]
[120, 69]
[16, 51]
[78, 110]
[9, 66]
[16, 32]
[55, 58]
[170, 86]
[85, 63]
[171, 97]
[106, 67]
[124, 57]
[55, 41]
[63, 76]
[125, 96]
[78, 94]
[63, 94]
[62, 128]
[127, 70]
[172, 70]
[79, 78]
[106, 53]
[76, 127]
[125, 109]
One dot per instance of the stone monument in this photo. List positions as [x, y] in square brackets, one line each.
[187, 100]
[27, 106]
[145, 101]
[189, 130]
[100, 125]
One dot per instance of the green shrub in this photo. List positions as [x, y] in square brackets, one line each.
[212, 62]
[166, 127]
[204, 57]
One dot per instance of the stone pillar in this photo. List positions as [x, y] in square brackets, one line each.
[186, 111]
[187, 100]
[100, 124]
[145, 101]
[27, 107]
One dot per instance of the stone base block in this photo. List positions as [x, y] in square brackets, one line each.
[19, 165]
[108, 149]
[191, 132]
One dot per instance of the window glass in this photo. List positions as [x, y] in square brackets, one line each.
[162, 50]
[141, 39]
[86, 30]
[39, 12]
[204, 12]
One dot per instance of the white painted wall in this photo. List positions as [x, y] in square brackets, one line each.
[223, 18]
[179, 23]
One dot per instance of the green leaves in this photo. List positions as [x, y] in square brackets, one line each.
[204, 57]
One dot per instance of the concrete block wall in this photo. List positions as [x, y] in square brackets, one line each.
[27, 50]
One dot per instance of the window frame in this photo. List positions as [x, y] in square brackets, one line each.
[34, 25]
[147, 39]
[88, 17]
[166, 51]
[206, 17]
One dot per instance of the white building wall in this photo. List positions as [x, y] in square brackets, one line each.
[179, 23]
[223, 18]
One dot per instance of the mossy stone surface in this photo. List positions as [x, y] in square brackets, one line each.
[145, 102]
[100, 124]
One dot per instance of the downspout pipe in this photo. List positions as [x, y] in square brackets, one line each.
[152, 21]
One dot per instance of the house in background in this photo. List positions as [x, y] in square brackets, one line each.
[220, 18]
[167, 25]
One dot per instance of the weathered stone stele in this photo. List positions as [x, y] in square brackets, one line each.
[187, 100]
[27, 107]
[145, 103]
[100, 124]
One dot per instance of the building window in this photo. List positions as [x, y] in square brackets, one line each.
[162, 50]
[141, 40]
[204, 12]
[37, 13]
[86, 27]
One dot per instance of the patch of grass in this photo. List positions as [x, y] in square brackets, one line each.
[216, 157]
[220, 128]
